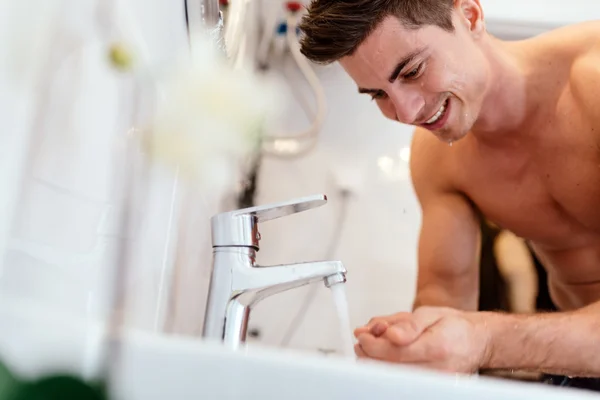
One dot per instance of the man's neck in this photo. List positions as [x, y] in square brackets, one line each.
[508, 107]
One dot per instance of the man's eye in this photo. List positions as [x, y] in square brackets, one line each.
[414, 73]
[378, 95]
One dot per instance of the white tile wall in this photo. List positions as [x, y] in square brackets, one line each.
[66, 229]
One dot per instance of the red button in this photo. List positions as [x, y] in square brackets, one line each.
[293, 6]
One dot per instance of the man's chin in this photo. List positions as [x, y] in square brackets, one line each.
[449, 137]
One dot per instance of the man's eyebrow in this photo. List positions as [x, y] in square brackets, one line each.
[399, 67]
[364, 90]
[403, 63]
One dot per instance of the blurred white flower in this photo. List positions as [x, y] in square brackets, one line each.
[210, 118]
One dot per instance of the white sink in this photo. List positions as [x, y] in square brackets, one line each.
[182, 369]
[152, 366]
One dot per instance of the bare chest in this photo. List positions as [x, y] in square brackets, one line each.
[544, 191]
[550, 196]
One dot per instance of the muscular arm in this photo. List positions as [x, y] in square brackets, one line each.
[448, 254]
[560, 343]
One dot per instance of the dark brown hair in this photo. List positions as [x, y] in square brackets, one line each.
[335, 28]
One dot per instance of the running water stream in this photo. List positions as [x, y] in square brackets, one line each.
[341, 304]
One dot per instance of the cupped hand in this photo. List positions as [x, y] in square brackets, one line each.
[434, 337]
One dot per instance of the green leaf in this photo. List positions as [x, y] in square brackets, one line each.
[60, 387]
[8, 383]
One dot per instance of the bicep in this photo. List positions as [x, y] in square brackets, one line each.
[449, 239]
[449, 245]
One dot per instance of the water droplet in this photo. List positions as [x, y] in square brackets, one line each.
[450, 143]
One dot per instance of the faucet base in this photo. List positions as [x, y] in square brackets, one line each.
[236, 324]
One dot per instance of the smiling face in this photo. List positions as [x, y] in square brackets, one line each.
[426, 77]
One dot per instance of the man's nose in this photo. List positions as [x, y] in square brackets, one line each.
[408, 105]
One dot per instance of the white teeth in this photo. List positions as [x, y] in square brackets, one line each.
[437, 114]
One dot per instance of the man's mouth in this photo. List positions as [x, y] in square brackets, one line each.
[438, 115]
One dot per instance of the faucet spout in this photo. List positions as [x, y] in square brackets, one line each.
[335, 279]
[262, 282]
[249, 285]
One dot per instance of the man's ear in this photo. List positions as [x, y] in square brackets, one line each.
[471, 15]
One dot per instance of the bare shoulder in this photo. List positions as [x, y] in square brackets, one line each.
[577, 45]
[429, 162]
[584, 81]
[575, 48]
[571, 38]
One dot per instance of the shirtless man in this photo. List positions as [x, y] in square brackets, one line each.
[524, 121]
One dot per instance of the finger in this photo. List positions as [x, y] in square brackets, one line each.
[417, 352]
[381, 348]
[403, 333]
[359, 351]
[377, 329]
[378, 325]
[408, 330]
[359, 331]
[375, 347]
[390, 319]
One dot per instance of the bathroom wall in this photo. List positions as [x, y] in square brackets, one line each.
[363, 153]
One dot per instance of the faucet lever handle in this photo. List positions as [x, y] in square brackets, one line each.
[239, 227]
[278, 210]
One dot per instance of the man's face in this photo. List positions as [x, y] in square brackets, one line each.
[426, 77]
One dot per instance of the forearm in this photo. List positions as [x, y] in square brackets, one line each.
[556, 343]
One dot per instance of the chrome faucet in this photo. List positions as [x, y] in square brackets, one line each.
[238, 283]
